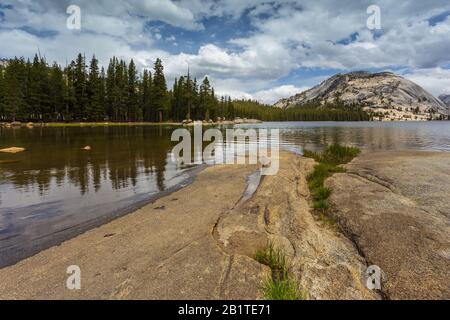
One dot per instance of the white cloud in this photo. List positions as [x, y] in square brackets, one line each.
[434, 80]
[272, 95]
[285, 35]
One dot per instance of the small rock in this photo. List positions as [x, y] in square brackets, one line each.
[12, 150]
[265, 162]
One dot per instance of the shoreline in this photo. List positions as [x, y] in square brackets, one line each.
[7, 125]
[200, 242]
[107, 251]
[31, 125]
[67, 234]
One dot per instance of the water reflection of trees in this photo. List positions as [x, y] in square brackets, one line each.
[119, 156]
[122, 155]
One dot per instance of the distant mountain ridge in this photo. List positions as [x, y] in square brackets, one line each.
[445, 98]
[385, 95]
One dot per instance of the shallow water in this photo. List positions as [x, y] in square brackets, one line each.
[55, 190]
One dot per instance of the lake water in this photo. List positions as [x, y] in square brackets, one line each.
[55, 190]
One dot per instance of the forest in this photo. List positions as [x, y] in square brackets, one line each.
[38, 92]
[313, 111]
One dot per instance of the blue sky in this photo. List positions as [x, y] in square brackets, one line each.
[264, 50]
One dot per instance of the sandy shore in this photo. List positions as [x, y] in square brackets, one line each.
[199, 242]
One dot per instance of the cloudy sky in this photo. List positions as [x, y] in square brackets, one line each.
[258, 49]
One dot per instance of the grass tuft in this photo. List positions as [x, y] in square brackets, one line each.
[274, 258]
[280, 286]
[334, 154]
[282, 290]
[329, 162]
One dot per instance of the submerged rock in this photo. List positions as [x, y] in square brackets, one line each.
[12, 150]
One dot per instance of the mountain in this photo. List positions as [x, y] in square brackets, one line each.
[445, 98]
[385, 95]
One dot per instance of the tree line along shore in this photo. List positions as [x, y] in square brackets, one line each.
[35, 91]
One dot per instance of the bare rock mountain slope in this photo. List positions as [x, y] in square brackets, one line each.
[386, 95]
[445, 98]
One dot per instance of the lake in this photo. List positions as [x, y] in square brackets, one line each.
[55, 190]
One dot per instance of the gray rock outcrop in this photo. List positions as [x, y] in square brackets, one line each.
[395, 207]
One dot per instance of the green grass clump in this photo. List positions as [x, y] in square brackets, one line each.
[334, 154]
[320, 205]
[321, 193]
[274, 258]
[282, 290]
[280, 286]
[329, 162]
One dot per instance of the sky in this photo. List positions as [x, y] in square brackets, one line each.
[263, 50]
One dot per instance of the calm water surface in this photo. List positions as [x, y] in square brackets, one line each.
[55, 190]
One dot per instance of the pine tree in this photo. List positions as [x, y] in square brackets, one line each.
[94, 110]
[15, 101]
[146, 91]
[159, 93]
[121, 91]
[207, 102]
[110, 84]
[2, 94]
[80, 86]
[57, 92]
[188, 96]
[134, 112]
[102, 87]
[69, 74]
